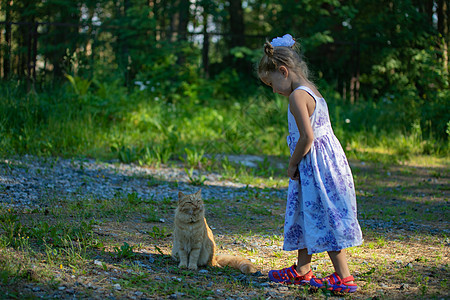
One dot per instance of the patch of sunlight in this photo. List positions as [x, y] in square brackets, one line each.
[428, 161]
[412, 160]
[376, 150]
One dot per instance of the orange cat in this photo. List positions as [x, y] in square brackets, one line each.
[193, 240]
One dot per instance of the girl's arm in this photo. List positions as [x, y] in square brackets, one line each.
[302, 106]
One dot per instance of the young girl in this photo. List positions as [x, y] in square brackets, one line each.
[321, 205]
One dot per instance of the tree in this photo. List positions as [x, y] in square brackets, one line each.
[236, 23]
[60, 37]
[443, 25]
[6, 51]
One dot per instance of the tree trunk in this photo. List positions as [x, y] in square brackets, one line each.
[121, 48]
[236, 23]
[152, 5]
[205, 48]
[183, 19]
[181, 25]
[1, 55]
[125, 48]
[29, 43]
[429, 10]
[22, 46]
[34, 56]
[174, 21]
[7, 51]
[443, 28]
[160, 9]
[425, 7]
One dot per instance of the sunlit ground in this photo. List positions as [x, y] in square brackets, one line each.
[120, 247]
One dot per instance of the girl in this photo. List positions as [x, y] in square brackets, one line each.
[321, 205]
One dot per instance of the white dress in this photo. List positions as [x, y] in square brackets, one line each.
[321, 207]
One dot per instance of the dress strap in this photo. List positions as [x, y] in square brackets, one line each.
[309, 91]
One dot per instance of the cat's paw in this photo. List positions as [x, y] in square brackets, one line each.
[193, 267]
[182, 265]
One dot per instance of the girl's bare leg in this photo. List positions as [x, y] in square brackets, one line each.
[339, 260]
[304, 262]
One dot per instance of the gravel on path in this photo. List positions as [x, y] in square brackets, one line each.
[28, 182]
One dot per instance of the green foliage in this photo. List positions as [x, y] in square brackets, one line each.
[60, 234]
[195, 179]
[138, 127]
[125, 154]
[125, 85]
[134, 199]
[12, 228]
[80, 86]
[158, 233]
[124, 251]
[194, 158]
[17, 234]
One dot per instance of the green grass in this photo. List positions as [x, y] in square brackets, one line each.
[151, 128]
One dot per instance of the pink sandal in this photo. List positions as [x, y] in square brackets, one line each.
[290, 276]
[334, 283]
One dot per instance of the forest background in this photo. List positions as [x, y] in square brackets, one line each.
[151, 80]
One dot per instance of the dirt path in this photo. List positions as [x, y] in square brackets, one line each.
[122, 252]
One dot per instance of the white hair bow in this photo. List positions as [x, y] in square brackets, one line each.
[285, 41]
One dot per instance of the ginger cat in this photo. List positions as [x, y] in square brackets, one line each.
[193, 240]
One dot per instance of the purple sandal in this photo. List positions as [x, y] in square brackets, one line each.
[334, 283]
[290, 276]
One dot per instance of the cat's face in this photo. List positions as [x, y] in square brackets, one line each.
[190, 204]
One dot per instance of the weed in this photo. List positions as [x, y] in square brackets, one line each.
[58, 234]
[228, 170]
[124, 251]
[278, 254]
[436, 174]
[193, 158]
[12, 227]
[80, 86]
[381, 242]
[125, 154]
[162, 154]
[152, 182]
[195, 179]
[158, 233]
[264, 169]
[159, 250]
[152, 216]
[52, 254]
[443, 283]
[134, 199]
[155, 155]
[423, 289]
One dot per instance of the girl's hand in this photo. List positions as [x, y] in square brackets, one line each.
[293, 172]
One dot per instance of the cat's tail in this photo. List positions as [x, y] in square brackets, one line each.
[236, 262]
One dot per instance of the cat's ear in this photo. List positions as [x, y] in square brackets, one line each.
[199, 193]
[180, 195]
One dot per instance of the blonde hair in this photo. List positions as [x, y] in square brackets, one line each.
[275, 57]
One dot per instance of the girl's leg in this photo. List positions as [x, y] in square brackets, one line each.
[304, 262]
[339, 260]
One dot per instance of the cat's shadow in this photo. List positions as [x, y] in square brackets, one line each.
[164, 264]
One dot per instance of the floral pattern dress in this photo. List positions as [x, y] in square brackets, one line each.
[321, 206]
